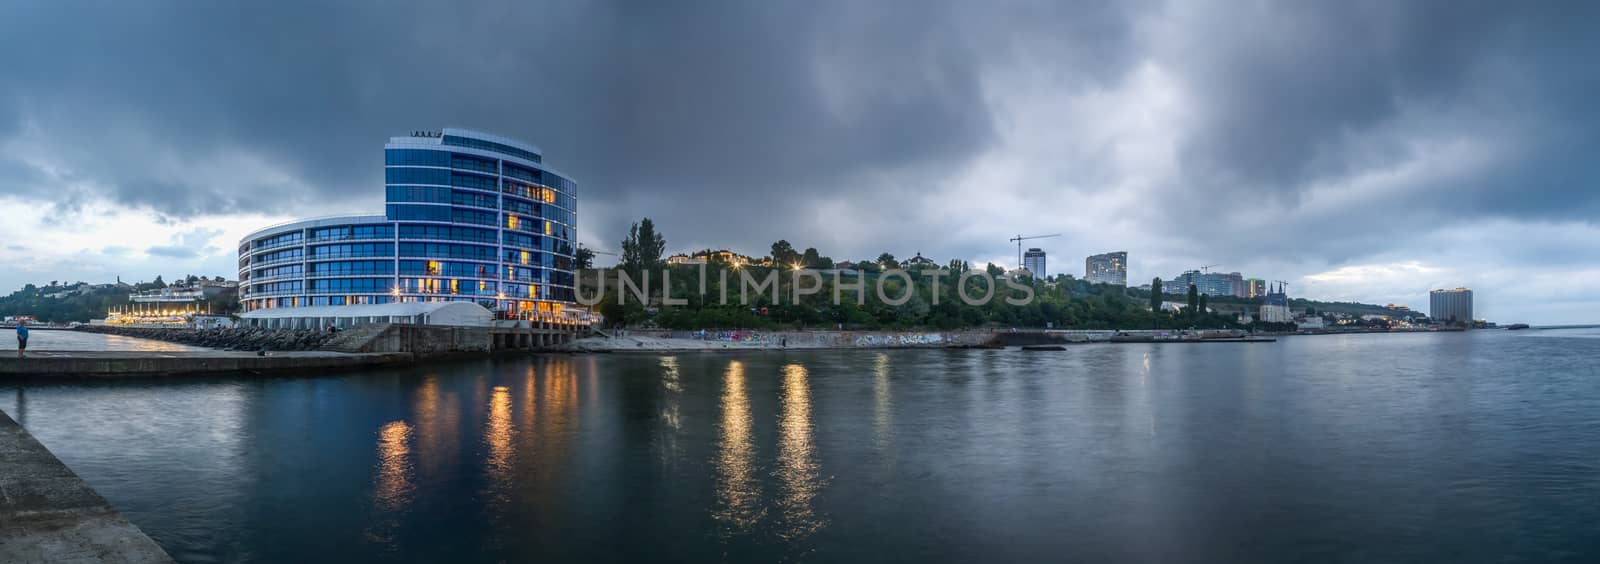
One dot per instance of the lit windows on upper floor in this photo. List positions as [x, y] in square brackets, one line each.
[458, 141]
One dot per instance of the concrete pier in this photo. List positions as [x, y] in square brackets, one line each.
[49, 515]
[52, 364]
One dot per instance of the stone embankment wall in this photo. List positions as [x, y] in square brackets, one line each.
[417, 339]
[243, 339]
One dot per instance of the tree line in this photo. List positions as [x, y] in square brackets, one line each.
[1065, 303]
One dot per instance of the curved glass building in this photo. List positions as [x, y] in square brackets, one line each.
[469, 216]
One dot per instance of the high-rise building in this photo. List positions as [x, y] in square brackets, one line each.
[1236, 285]
[1108, 268]
[469, 217]
[1450, 306]
[1033, 260]
[1255, 287]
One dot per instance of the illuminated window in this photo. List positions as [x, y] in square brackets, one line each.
[533, 291]
[525, 257]
[511, 221]
[546, 228]
[454, 287]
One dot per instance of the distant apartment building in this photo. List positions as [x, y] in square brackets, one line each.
[1033, 260]
[1255, 287]
[1208, 283]
[1107, 268]
[1450, 306]
[710, 256]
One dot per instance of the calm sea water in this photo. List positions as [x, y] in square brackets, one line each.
[58, 340]
[1461, 447]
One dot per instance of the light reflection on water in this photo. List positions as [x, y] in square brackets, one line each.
[394, 487]
[671, 411]
[882, 403]
[1417, 447]
[497, 434]
[797, 463]
[738, 492]
[395, 484]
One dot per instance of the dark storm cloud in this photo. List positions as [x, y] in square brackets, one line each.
[657, 104]
[1294, 94]
[758, 109]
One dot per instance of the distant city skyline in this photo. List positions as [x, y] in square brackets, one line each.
[150, 138]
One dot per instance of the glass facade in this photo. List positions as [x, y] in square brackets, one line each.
[468, 217]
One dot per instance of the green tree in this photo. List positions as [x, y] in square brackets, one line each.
[584, 258]
[783, 254]
[1194, 298]
[643, 247]
[1203, 308]
[886, 260]
[811, 258]
[1155, 295]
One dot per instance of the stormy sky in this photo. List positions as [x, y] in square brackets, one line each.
[1358, 150]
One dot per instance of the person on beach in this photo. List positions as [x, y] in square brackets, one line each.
[22, 338]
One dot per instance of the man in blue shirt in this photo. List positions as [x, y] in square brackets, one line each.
[22, 337]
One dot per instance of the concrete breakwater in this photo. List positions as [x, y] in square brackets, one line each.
[241, 339]
[122, 364]
[48, 514]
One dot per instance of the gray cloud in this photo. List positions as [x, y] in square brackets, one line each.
[173, 251]
[684, 106]
[844, 125]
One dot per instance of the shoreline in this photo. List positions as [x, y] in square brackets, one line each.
[659, 341]
[56, 365]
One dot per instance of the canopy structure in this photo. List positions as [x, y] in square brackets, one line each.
[419, 313]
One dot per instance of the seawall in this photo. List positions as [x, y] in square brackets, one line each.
[49, 364]
[49, 515]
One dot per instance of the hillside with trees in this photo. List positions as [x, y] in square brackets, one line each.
[67, 302]
[1064, 303]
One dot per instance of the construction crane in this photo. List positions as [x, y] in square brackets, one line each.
[1283, 287]
[596, 252]
[1207, 268]
[1019, 239]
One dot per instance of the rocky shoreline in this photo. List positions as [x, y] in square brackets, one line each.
[238, 339]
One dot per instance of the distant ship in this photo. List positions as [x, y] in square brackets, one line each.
[1516, 326]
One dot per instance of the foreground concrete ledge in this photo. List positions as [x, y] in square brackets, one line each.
[101, 364]
[49, 515]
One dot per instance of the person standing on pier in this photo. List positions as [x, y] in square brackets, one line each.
[22, 338]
